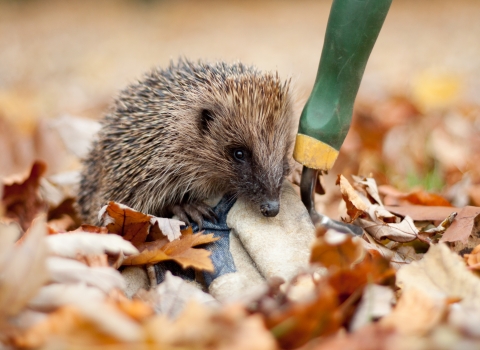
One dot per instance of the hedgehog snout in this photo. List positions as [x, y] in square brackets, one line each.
[270, 208]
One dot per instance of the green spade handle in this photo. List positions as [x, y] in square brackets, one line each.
[352, 29]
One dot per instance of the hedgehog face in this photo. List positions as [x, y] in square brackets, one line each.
[255, 141]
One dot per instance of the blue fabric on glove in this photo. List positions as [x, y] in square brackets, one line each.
[221, 257]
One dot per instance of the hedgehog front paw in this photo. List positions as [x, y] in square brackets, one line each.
[195, 212]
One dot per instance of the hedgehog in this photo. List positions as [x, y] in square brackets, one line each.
[190, 132]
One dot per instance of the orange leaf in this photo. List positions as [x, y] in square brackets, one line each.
[180, 250]
[425, 198]
[342, 254]
[296, 324]
[420, 197]
[473, 259]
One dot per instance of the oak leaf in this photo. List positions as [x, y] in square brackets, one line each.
[180, 250]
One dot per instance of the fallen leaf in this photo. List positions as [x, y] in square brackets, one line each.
[135, 309]
[296, 323]
[336, 249]
[463, 226]
[21, 198]
[200, 327]
[135, 226]
[441, 274]
[180, 250]
[171, 296]
[55, 295]
[168, 227]
[371, 337]
[428, 311]
[466, 319]
[355, 205]
[71, 244]
[81, 327]
[62, 224]
[376, 302]
[374, 268]
[422, 212]
[421, 197]
[399, 257]
[473, 259]
[370, 186]
[130, 224]
[405, 231]
[68, 271]
[23, 269]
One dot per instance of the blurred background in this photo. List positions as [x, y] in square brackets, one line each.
[417, 116]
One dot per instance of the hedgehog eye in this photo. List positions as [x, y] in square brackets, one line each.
[239, 154]
[206, 118]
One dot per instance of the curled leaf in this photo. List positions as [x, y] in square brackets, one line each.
[355, 205]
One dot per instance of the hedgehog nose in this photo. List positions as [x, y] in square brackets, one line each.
[270, 208]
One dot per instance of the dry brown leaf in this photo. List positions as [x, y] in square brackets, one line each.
[374, 268]
[132, 225]
[23, 270]
[297, 323]
[422, 212]
[370, 186]
[355, 205]
[398, 257]
[171, 296]
[135, 226]
[405, 231]
[69, 271]
[21, 196]
[425, 198]
[81, 327]
[428, 312]
[180, 250]
[336, 249]
[370, 337]
[198, 327]
[55, 295]
[76, 242]
[463, 226]
[419, 197]
[441, 274]
[376, 302]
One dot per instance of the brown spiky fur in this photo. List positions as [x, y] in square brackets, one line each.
[158, 147]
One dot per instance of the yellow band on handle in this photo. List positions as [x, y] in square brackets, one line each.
[313, 153]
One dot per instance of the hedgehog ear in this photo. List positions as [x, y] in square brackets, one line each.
[206, 117]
